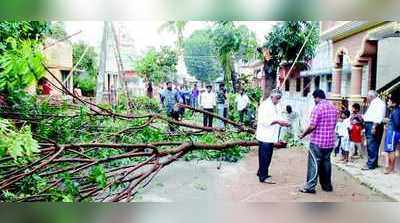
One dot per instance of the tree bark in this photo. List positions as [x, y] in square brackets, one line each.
[149, 92]
[270, 78]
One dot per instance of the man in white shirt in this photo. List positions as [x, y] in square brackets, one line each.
[242, 102]
[373, 119]
[207, 102]
[269, 121]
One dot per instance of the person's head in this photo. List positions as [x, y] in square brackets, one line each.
[209, 88]
[289, 109]
[222, 86]
[276, 96]
[195, 86]
[42, 81]
[169, 85]
[371, 95]
[394, 100]
[355, 108]
[345, 114]
[318, 95]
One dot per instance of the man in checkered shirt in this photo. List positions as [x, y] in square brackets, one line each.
[322, 141]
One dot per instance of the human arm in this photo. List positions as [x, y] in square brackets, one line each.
[396, 118]
[267, 118]
[214, 101]
[308, 130]
[247, 100]
[313, 123]
[379, 116]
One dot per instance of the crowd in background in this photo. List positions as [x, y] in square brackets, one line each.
[357, 132]
[212, 100]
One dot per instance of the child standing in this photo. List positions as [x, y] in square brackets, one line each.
[343, 131]
[338, 137]
[357, 125]
[392, 141]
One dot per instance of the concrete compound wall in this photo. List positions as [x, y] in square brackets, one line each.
[388, 67]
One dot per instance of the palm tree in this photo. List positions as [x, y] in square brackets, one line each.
[177, 28]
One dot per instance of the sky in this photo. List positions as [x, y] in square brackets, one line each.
[145, 33]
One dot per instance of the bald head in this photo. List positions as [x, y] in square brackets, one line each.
[371, 95]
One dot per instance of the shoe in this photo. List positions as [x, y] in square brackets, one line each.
[366, 168]
[267, 181]
[258, 174]
[327, 189]
[307, 191]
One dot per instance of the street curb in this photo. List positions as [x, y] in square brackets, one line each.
[369, 185]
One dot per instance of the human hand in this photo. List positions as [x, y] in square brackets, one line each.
[283, 123]
[373, 130]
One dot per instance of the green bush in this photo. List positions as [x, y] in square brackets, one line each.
[19, 144]
[146, 104]
[87, 84]
[20, 65]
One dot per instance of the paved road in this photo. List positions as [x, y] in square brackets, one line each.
[237, 182]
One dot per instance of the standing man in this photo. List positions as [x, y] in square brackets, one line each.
[269, 121]
[161, 94]
[180, 100]
[207, 102]
[242, 102]
[373, 119]
[322, 128]
[194, 99]
[170, 104]
[221, 100]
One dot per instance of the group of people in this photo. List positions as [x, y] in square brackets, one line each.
[208, 100]
[331, 130]
[219, 100]
[353, 128]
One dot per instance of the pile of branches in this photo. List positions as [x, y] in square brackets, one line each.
[109, 169]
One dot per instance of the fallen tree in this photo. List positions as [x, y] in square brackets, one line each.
[92, 153]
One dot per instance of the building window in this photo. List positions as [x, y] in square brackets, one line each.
[329, 82]
[64, 76]
[306, 84]
[287, 85]
[317, 81]
[298, 84]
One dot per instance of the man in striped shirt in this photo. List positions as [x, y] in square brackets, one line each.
[322, 129]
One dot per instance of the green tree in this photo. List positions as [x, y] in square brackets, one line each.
[176, 27]
[20, 65]
[22, 30]
[233, 44]
[201, 57]
[57, 30]
[156, 66]
[284, 43]
[89, 60]
[286, 39]
[86, 81]
[20, 55]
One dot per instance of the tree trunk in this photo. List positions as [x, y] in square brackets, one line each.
[149, 92]
[233, 77]
[269, 77]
